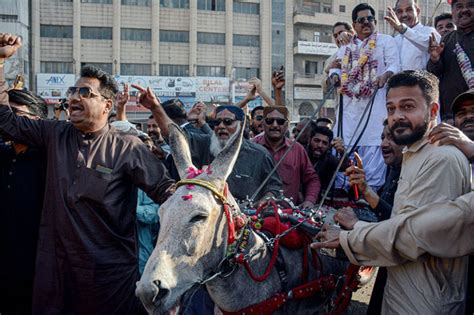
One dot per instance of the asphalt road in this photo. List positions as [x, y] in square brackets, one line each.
[361, 298]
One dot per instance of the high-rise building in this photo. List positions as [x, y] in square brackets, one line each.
[14, 18]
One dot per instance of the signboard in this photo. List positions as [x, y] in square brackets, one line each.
[53, 86]
[316, 48]
[308, 93]
[211, 89]
[163, 86]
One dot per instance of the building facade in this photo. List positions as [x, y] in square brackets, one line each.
[168, 40]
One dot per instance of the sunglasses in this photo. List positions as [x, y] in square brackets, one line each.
[280, 121]
[258, 118]
[362, 19]
[226, 121]
[84, 92]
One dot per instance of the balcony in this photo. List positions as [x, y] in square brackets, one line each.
[320, 14]
[307, 79]
[314, 48]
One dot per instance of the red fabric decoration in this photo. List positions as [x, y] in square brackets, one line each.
[187, 197]
[294, 239]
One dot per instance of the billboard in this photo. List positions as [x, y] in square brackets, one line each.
[53, 86]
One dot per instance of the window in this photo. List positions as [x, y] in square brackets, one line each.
[246, 73]
[96, 1]
[248, 8]
[210, 71]
[327, 8]
[211, 5]
[317, 37]
[8, 18]
[107, 67]
[143, 3]
[311, 67]
[246, 40]
[174, 36]
[175, 4]
[342, 8]
[211, 38]
[137, 34]
[56, 31]
[88, 32]
[56, 67]
[174, 70]
[135, 69]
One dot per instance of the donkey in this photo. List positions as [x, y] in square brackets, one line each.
[192, 243]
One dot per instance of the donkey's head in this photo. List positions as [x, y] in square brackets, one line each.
[193, 234]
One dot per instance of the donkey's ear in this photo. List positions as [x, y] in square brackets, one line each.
[224, 162]
[180, 150]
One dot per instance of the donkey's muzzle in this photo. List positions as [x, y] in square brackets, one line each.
[151, 293]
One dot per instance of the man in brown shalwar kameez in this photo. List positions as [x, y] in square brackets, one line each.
[430, 173]
[87, 255]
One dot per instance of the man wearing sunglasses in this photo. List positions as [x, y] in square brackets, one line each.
[413, 38]
[382, 61]
[253, 162]
[296, 171]
[256, 124]
[87, 254]
[21, 208]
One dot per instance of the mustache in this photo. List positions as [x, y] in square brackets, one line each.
[466, 13]
[400, 124]
[468, 121]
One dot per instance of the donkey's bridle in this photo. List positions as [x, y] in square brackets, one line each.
[222, 196]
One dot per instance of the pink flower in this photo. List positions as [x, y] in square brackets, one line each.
[187, 197]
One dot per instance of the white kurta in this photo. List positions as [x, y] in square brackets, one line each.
[388, 58]
[413, 46]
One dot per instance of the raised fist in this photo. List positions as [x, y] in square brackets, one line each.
[9, 44]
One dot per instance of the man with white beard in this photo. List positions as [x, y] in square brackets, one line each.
[253, 163]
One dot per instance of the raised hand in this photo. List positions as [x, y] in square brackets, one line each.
[344, 38]
[9, 44]
[435, 49]
[146, 97]
[122, 97]
[393, 20]
[278, 79]
[257, 83]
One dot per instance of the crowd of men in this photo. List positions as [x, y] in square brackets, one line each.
[80, 198]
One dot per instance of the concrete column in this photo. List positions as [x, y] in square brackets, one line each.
[289, 60]
[229, 36]
[155, 37]
[116, 37]
[192, 38]
[76, 36]
[266, 44]
[35, 43]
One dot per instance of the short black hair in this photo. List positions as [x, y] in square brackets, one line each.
[36, 105]
[252, 113]
[325, 119]
[441, 17]
[346, 25]
[324, 131]
[362, 7]
[108, 85]
[427, 82]
[174, 109]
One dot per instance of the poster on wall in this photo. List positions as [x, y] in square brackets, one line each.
[212, 90]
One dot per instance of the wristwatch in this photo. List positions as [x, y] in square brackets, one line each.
[404, 28]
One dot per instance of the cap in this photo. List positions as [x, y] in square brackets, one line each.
[468, 95]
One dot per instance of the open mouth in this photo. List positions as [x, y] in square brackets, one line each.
[223, 135]
[75, 108]
[386, 153]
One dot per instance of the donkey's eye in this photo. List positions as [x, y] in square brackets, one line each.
[198, 218]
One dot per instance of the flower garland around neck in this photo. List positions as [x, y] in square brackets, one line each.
[359, 69]
[465, 65]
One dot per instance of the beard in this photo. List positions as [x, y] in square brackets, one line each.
[217, 145]
[418, 132]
